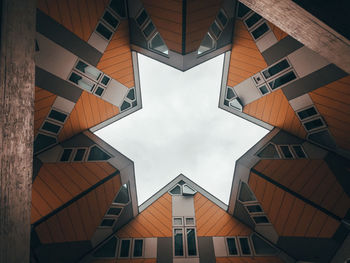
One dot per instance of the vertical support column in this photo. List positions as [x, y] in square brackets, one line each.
[17, 74]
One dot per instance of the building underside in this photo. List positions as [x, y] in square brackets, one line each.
[70, 68]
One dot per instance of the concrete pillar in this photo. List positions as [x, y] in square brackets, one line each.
[17, 73]
[305, 28]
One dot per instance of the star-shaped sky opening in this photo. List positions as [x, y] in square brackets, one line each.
[180, 129]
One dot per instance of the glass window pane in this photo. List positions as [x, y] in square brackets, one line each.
[191, 242]
[82, 82]
[158, 44]
[138, 248]
[42, 141]
[231, 245]
[307, 113]
[286, 152]
[131, 94]
[51, 127]
[254, 208]
[188, 190]
[124, 249]
[215, 29]
[123, 195]
[260, 219]
[104, 31]
[245, 194]
[96, 154]
[125, 105]
[284, 79]
[206, 44]
[310, 125]
[262, 29]
[110, 19]
[88, 70]
[244, 243]
[242, 10]
[222, 18]
[149, 29]
[142, 18]
[66, 154]
[105, 80]
[230, 94]
[176, 190]
[280, 66]
[252, 20]
[118, 6]
[107, 222]
[178, 242]
[177, 221]
[269, 151]
[189, 221]
[114, 211]
[264, 90]
[99, 91]
[58, 116]
[79, 155]
[299, 151]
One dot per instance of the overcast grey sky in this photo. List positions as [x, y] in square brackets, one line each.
[180, 129]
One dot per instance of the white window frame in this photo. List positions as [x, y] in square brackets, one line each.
[290, 150]
[186, 244]
[100, 21]
[324, 125]
[227, 248]
[257, 215]
[70, 156]
[52, 122]
[268, 89]
[262, 21]
[75, 152]
[84, 77]
[114, 216]
[173, 188]
[212, 33]
[183, 241]
[60, 111]
[106, 23]
[249, 244]
[120, 247]
[108, 218]
[247, 17]
[189, 225]
[310, 117]
[182, 221]
[279, 75]
[133, 247]
[302, 149]
[218, 20]
[251, 204]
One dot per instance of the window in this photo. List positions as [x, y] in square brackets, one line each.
[57, 116]
[314, 124]
[189, 221]
[96, 154]
[124, 251]
[176, 190]
[275, 69]
[51, 127]
[107, 222]
[236, 104]
[231, 246]
[82, 82]
[299, 152]
[79, 154]
[107, 250]
[141, 18]
[149, 29]
[178, 242]
[230, 94]
[307, 113]
[252, 20]
[137, 248]
[261, 219]
[118, 6]
[104, 31]
[245, 194]
[110, 19]
[269, 152]
[66, 155]
[191, 242]
[282, 80]
[254, 208]
[177, 221]
[123, 195]
[187, 190]
[264, 90]
[158, 44]
[43, 141]
[242, 10]
[99, 91]
[287, 154]
[260, 31]
[244, 246]
[114, 211]
[88, 70]
[105, 80]
[216, 30]
[207, 44]
[222, 18]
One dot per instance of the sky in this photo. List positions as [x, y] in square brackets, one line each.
[180, 129]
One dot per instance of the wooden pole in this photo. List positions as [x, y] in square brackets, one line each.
[17, 74]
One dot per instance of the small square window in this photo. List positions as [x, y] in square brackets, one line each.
[231, 246]
[99, 91]
[189, 221]
[260, 31]
[254, 208]
[105, 80]
[245, 246]
[252, 20]
[260, 220]
[57, 115]
[107, 222]
[104, 31]
[110, 19]
[314, 124]
[51, 127]
[264, 90]
[177, 221]
[114, 211]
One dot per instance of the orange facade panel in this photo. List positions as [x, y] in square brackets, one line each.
[312, 179]
[279, 34]
[199, 16]
[42, 106]
[167, 17]
[275, 109]
[58, 183]
[117, 60]
[78, 16]
[246, 59]
[332, 101]
[79, 220]
[88, 112]
[289, 215]
[154, 221]
[211, 220]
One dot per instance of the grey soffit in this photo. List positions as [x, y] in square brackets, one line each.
[281, 49]
[46, 80]
[206, 250]
[164, 250]
[65, 38]
[313, 81]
